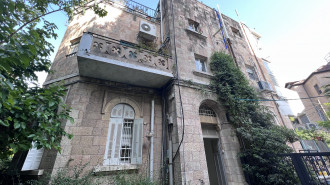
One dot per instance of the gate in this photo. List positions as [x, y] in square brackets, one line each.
[312, 167]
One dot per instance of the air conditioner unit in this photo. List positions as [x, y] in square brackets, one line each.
[147, 30]
[300, 128]
[265, 86]
[312, 126]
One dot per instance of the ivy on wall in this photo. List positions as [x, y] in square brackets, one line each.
[261, 140]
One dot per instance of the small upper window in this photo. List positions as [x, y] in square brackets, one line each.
[200, 64]
[193, 26]
[251, 72]
[206, 111]
[236, 32]
[317, 88]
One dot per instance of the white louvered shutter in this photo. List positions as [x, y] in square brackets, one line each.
[137, 142]
[33, 159]
[113, 144]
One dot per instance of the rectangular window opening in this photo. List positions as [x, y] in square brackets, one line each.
[200, 64]
[193, 26]
[317, 89]
[236, 32]
[251, 72]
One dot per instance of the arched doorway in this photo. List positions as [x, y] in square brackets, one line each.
[212, 145]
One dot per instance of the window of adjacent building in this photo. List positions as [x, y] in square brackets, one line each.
[251, 72]
[321, 113]
[200, 64]
[236, 32]
[317, 89]
[124, 142]
[304, 119]
[193, 26]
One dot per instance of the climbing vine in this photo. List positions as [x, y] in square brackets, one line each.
[261, 140]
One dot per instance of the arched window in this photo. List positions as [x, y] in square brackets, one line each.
[206, 111]
[207, 115]
[124, 142]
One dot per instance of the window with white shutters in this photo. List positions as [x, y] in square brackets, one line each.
[33, 159]
[124, 142]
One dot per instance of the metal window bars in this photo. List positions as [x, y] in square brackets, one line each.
[205, 111]
[126, 141]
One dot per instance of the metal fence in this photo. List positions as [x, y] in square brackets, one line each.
[312, 167]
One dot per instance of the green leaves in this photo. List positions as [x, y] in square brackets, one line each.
[30, 114]
[254, 124]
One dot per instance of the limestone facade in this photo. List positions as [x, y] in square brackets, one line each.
[101, 65]
[311, 90]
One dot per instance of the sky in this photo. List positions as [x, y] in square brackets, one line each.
[295, 33]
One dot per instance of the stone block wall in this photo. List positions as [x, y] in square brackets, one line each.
[91, 101]
[118, 24]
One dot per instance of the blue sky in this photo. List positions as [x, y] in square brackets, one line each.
[295, 33]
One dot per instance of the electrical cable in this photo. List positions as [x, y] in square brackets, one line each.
[278, 99]
[180, 98]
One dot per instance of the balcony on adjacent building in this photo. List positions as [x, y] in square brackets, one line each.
[109, 59]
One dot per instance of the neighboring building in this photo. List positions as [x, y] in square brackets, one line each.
[311, 93]
[130, 104]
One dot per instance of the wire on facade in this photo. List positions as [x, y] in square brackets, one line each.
[278, 99]
[178, 77]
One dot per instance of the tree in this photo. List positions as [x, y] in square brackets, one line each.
[261, 140]
[31, 114]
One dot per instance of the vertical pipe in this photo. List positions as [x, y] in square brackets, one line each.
[170, 162]
[161, 21]
[170, 159]
[152, 140]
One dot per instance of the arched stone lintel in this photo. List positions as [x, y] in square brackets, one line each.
[217, 108]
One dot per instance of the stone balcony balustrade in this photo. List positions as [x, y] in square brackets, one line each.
[109, 59]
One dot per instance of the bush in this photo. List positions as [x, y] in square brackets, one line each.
[261, 140]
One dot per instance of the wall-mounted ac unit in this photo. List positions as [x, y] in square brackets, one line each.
[265, 86]
[147, 30]
[312, 126]
[300, 128]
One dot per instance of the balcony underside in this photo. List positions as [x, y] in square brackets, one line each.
[118, 71]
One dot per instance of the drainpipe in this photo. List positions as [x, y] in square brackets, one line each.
[170, 149]
[161, 21]
[152, 140]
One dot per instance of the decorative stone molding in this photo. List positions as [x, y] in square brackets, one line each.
[112, 49]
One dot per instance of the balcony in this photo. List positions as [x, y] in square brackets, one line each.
[109, 59]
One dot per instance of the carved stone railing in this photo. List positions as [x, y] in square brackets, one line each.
[129, 53]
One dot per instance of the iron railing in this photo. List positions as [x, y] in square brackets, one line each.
[137, 8]
[312, 167]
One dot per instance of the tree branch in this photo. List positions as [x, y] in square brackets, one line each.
[20, 28]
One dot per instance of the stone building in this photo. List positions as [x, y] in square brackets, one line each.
[133, 82]
[311, 92]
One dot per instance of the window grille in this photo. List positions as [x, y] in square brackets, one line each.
[304, 119]
[205, 111]
[126, 141]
